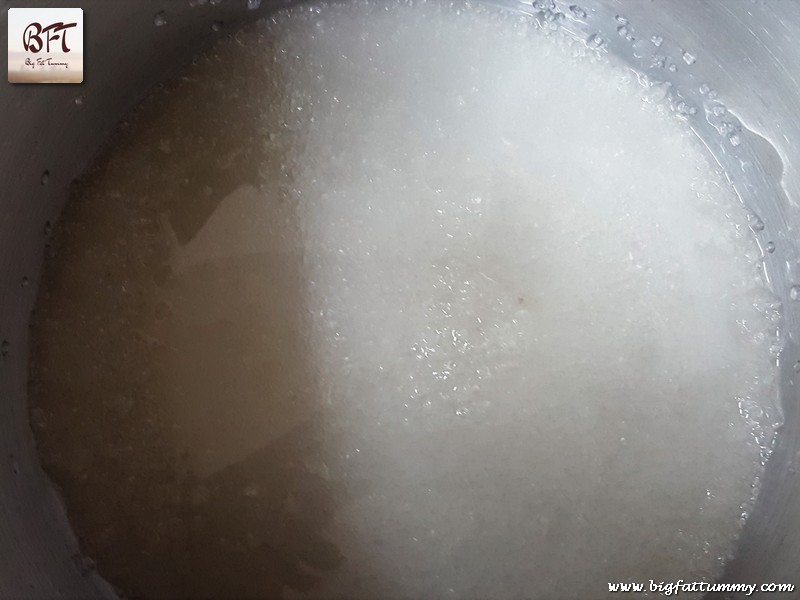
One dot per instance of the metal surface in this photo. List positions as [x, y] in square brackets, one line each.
[745, 50]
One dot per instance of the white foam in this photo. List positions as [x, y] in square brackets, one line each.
[527, 283]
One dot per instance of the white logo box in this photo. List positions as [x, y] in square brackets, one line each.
[45, 45]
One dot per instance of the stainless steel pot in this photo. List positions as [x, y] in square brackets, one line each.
[742, 55]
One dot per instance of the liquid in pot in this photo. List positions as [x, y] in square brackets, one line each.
[403, 301]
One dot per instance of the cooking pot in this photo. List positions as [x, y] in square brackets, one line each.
[730, 68]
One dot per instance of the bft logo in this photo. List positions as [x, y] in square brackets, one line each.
[32, 37]
[45, 45]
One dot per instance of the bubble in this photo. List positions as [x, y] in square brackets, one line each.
[704, 89]
[216, 25]
[622, 30]
[794, 292]
[796, 367]
[79, 100]
[756, 224]
[160, 19]
[621, 19]
[253, 4]
[726, 128]
[658, 60]
[595, 40]
[657, 40]
[672, 68]
[24, 282]
[770, 247]
[577, 11]
[45, 177]
[735, 139]
[656, 93]
[689, 58]
[683, 108]
[462, 412]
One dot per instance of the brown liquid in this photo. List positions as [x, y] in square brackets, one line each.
[171, 400]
